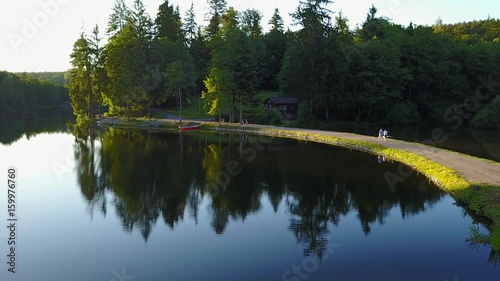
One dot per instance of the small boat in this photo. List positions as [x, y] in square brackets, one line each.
[189, 127]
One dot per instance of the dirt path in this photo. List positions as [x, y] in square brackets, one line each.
[473, 169]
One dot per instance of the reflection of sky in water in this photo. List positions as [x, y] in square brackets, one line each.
[59, 239]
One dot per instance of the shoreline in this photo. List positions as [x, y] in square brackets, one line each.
[472, 181]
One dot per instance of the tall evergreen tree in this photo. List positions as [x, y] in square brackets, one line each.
[131, 68]
[118, 19]
[200, 51]
[276, 21]
[276, 45]
[168, 22]
[190, 26]
[216, 11]
[80, 85]
[372, 27]
[98, 74]
[305, 62]
[250, 20]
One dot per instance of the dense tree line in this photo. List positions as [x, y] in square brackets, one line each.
[22, 94]
[59, 78]
[378, 72]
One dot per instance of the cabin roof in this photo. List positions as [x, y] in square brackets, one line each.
[282, 100]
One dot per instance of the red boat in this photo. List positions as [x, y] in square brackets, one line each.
[189, 128]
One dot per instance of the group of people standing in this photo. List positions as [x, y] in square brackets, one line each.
[382, 134]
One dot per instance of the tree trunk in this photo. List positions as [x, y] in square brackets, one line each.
[233, 109]
[241, 110]
[229, 110]
[180, 103]
[358, 114]
[91, 98]
[369, 113]
[219, 114]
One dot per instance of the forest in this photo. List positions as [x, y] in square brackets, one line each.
[24, 94]
[377, 72]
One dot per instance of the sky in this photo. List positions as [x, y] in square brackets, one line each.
[38, 35]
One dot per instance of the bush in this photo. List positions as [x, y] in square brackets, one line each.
[489, 117]
[303, 112]
[269, 117]
[274, 117]
[403, 114]
[258, 117]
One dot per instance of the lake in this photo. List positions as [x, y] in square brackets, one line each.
[116, 205]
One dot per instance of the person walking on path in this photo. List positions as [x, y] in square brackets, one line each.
[385, 135]
[380, 134]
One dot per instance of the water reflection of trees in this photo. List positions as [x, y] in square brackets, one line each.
[13, 129]
[153, 174]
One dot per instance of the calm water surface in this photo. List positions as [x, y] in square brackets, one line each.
[118, 205]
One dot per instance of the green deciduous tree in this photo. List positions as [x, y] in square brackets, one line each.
[233, 67]
[130, 66]
[177, 69]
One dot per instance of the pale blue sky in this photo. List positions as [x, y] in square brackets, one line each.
[38, 35]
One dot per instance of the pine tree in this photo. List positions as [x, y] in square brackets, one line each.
[118, 19]
[190, 25]
[217, 9]
[276, 21]
[168, 22]
[80, 84]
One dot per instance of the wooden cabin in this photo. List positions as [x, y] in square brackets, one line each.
[286, 105]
